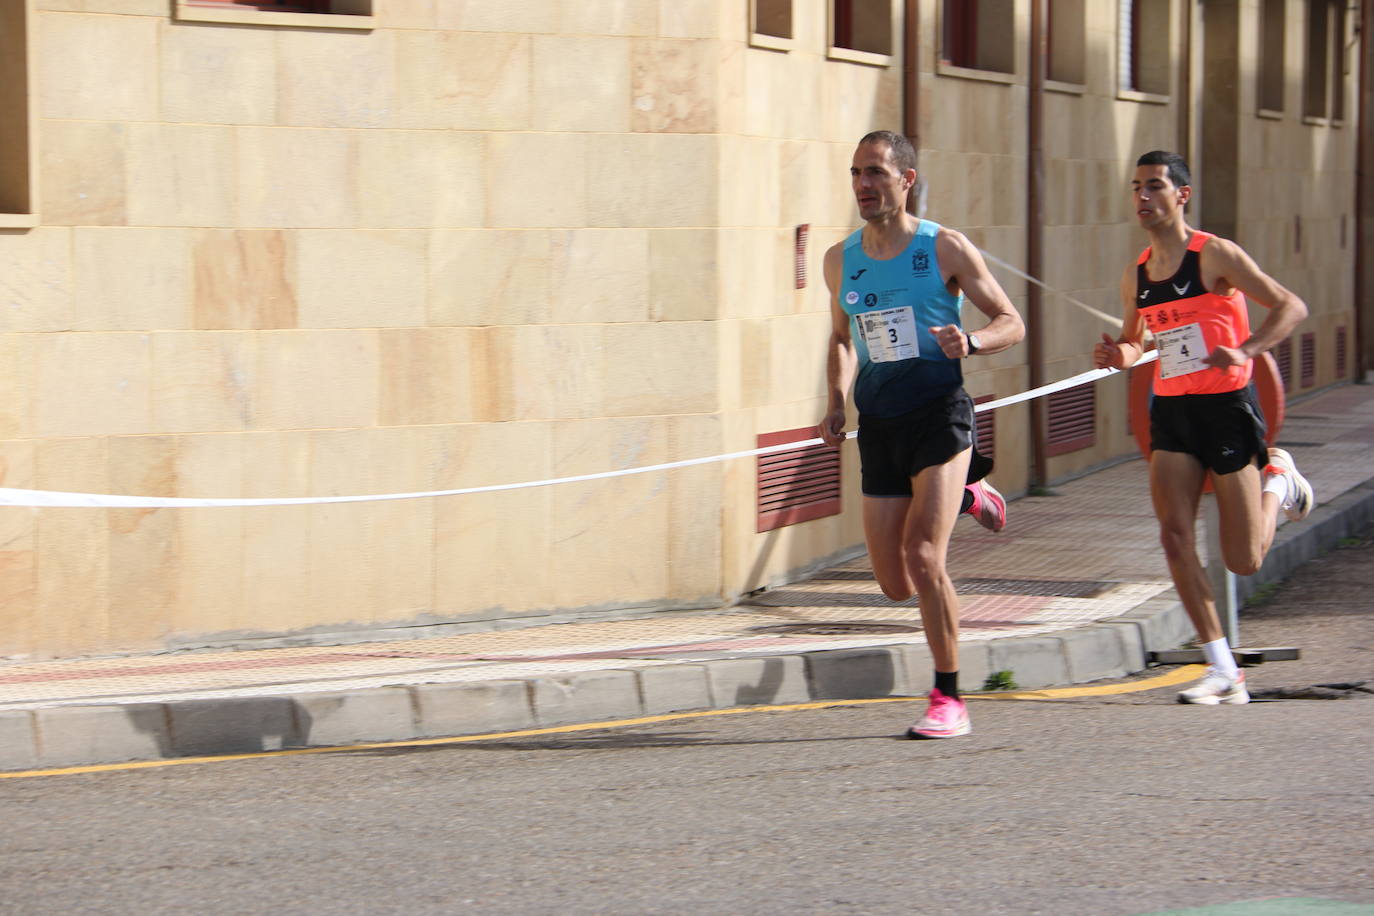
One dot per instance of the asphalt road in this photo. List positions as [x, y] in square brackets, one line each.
[1122, 804]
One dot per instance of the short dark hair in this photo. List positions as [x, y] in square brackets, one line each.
[903, 153]
[1177, 166]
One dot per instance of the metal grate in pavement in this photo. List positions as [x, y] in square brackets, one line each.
[797, 597]
[1057, 588]
[865, 575]
[836, 628]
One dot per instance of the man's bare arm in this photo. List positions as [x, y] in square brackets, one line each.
[840, 360]
[962, 263]
[1231, 266]
[1123, 351]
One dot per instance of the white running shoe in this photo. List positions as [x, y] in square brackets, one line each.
[1217, 687]
[1300, 497]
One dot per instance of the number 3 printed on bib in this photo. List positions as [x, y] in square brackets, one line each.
[890, 334]
[1182, 350]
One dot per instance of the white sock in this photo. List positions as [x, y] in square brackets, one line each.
[1219, 656]
[1278, 485]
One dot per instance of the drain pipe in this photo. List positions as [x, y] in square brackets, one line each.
[911, 99]
[1365, 122]
[1035, 224]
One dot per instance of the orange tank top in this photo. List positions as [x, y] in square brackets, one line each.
[1189, 323]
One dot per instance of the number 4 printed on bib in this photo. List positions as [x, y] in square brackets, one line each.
[1182, 350]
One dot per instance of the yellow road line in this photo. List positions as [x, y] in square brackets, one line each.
[1177, 676]
[1185, 673]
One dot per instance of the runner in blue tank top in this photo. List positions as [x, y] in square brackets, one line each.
[896, 289]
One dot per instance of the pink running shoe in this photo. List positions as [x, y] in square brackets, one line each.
[988, 507]
[944, 718]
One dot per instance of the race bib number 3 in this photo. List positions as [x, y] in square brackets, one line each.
[890, 334]
[1182, 350]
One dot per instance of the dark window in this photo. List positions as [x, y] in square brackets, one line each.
[1318, 64]
[15, 156]
[959, 41]
[862, 25]
[978, 34]
[1065, 30]
[1337, 17]
[275, 6]
[1145, 46]
[773, 17]
[1271, 64]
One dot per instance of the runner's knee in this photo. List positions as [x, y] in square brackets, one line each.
[1244, 561]
[1177, 541]
[925, 563]
[896, 591]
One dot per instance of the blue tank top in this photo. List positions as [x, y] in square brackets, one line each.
[893, 304]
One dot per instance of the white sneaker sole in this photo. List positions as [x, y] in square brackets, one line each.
[1231, 699]
[1293, 512]
[965, 729]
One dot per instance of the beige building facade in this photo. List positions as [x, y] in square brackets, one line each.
[314, 249]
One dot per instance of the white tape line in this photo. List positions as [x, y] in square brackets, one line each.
[1114, 321]
[1072, 381]
[55, 499]
[52, 499]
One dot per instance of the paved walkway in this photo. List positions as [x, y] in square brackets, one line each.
[1074, 589]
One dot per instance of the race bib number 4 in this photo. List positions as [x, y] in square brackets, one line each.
[1182, 350]
[890, 334]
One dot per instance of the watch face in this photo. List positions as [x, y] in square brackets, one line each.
[973, 345]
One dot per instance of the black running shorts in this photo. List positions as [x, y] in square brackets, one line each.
[892, 450]
[1224, 432]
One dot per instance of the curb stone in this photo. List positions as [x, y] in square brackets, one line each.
[17, 742]
[112, 733]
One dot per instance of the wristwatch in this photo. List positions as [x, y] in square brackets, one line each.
[973, 345]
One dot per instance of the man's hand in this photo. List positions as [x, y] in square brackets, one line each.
[1226, 357]
[1107, 354]
[831, 428]
[952, 340]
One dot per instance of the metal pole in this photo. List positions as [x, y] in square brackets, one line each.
[1222, 580]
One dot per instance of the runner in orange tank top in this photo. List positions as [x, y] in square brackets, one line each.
[1189, 321]
[1189, 289]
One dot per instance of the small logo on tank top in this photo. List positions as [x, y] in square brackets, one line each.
[851, 297]
[1181, 289]
[860, 273]
[920, 263]
[1144, 294]
[871, 300]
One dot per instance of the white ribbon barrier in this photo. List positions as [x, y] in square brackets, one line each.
[1114, 321]
[47, 499]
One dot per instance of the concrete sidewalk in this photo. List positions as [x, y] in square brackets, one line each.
[1075, 589]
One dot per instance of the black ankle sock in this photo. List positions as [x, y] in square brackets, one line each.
[968, 500]
[947, 682]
